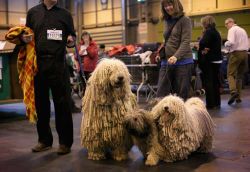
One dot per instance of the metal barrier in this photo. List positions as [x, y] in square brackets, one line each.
[149, 78]
[141, 74]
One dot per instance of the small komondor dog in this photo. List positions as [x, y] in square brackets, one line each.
[183, 127]
[142, 128]
[108, 98]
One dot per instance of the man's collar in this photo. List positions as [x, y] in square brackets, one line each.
[54, 6]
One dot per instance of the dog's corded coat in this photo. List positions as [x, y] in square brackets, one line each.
[183, 127]
[108, 98]
[142, 128]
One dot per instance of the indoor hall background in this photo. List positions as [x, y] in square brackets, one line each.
[129, 21]
[115, 22]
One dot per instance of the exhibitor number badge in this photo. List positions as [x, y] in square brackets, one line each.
[54, 35]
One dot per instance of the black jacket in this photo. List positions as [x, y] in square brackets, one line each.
[211, 39]
[39, 19]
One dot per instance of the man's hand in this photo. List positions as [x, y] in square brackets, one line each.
[205, 51]
[76, 66]
[70, 41]
[83, 50]
[27, 38]
[157, 58]
[228, 44]
[172, 60]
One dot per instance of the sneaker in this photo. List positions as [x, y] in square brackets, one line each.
[238, 100]
[41, 147]
[232, 98]
[62, 150]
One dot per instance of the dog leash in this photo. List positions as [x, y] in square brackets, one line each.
[166, 75]
[80, 64]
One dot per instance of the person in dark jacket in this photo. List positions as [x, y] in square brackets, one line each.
[176, 66]
[53, 28]
[209, 60]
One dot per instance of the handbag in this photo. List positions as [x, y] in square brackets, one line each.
[161, 50]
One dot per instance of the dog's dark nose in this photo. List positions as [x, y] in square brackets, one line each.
[135, 119]
[166, 108]
[120, 78]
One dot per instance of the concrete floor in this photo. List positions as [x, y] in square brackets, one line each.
[231, 151]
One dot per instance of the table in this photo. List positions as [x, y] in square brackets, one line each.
[145, 80]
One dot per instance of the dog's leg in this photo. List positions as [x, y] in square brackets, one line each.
[96, 155]
[155, 149]
[152, 159]
[206, 145]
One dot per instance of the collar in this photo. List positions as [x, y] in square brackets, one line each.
[232, 26]
[54, 7]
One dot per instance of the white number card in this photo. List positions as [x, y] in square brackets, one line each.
[54, 35]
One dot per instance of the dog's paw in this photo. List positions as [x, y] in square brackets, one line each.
[95, 156]
[152, 160]
[120, 157]
[168, 160]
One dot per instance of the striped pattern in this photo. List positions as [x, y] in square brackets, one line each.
[27, 68]
[110, 36]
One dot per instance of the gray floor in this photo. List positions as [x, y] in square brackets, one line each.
[231, 150]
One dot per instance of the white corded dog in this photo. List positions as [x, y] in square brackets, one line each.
[183, 127]
[107, 100]
[172, 130]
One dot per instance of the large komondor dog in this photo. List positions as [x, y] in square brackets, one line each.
[108, 98]
[142, 128]
[183, 127]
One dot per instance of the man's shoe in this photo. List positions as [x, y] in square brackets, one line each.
[62, 150]
[238, 100]
[41, 147]
[232, 98]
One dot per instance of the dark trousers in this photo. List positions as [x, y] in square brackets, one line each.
[211, 79]
[175, 79]
[87, 75]
[56, 80]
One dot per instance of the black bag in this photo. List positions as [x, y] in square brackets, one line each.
[153, 46]
[161, 51]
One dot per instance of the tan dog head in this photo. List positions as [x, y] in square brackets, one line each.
[110, 82]
[169, 110]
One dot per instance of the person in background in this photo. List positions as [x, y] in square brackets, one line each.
[74, 69]
[176, 68]
[88, 51]
[53, 28]
[209, 60]
[238, 45]
[102, 53]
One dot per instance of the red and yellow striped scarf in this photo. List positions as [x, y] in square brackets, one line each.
[27, 68]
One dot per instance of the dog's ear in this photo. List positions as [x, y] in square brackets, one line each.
[157, 118]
